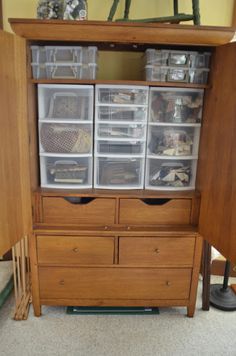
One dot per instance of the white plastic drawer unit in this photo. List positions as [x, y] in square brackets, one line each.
[121, 113]
[121, 95]
[63, 171]
[170, 174]
[173, 140]
[65, 102]
[175, 105]
[120, 148]
[118, 173]
[57, 137]
[120, 131]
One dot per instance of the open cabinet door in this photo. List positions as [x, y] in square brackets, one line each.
[15, 201]
[217, 165]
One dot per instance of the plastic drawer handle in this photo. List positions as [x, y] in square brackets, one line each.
[78, 200]
[157, 201]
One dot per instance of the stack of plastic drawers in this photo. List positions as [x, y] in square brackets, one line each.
[173, 138]
[177, 66]
[64, 62]
[120, 136]
[66, 135]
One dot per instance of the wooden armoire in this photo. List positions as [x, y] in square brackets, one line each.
[97, 247]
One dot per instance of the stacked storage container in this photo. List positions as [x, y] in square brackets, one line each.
[64, 62]
[120, 136]
[66, 135]
[173, 138]
[177, 66]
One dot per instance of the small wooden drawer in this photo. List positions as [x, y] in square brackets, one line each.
[114, 283]
[75, 250]
[155, 211]
[156, 251]
[76, 210]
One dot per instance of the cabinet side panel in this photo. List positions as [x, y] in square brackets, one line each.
[217, 164]
[15, 204]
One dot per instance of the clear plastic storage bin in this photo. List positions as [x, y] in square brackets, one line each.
[198, 76]
[156, 57]
[65, 102]
[77, 54]
[123, 95]
[175, 105]
[200, 60]
[119, 173]
[65, 138]
[71, 71]
[38, 54]
[124, 131]
[117, 113]
[170, 174]
[64, 54]
[66, 172]
[179, 58]
[120, 147]
[39, 70]
[166, 74]
[173, 140]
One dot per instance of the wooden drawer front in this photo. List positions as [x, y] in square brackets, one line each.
[153, 251]
[155, 211]
[97, 211]
[114, 283]
[75, 249]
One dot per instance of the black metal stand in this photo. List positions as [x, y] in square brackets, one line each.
[222, 296]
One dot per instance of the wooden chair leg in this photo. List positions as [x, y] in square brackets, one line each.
[206, 274]
[176, 7]
[113, 10]
[127, 7]
[196, 12]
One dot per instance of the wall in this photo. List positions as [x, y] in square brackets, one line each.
[213, 12]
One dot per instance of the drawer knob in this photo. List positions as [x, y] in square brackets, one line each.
[76, 249]
[106, 227]
[128, 228]
[168, 283]
[156, 250]
[62, 282]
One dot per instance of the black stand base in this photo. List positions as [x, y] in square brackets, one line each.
[223, 299]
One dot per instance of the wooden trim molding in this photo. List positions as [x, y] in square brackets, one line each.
[120, 32]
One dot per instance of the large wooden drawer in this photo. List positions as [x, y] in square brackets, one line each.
[75, 249]
[74, 210]
[114, 283]
[156, 251]
[155, 211]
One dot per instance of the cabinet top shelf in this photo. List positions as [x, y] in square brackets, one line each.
[122, 33]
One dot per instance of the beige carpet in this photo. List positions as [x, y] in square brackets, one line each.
[171, 333]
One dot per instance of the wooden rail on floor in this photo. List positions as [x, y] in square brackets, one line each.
[21, 269]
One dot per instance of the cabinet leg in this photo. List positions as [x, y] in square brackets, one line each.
[190, 311]
[206, 274]
[37, 309]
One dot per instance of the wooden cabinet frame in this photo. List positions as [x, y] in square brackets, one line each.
[216, 177]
